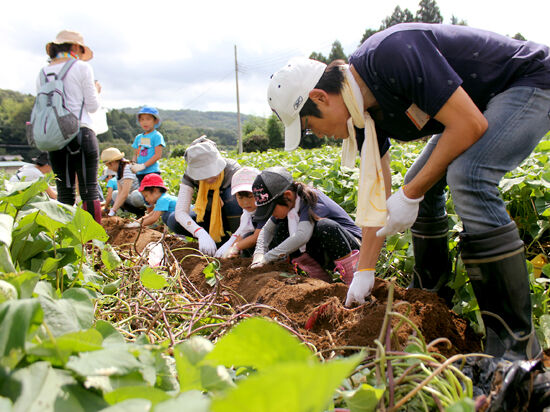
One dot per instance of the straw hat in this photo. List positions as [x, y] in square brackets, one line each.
[111, 154]
[73, 37]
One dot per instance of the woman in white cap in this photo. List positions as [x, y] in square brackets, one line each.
[79, 158]
[127, 195]
[216, 210]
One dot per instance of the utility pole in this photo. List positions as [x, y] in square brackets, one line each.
[239, 131]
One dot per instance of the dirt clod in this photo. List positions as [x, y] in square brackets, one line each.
[292, 299]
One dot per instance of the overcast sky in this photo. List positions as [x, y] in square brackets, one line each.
[180, 55]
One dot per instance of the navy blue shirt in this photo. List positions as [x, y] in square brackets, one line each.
[424, 64]
[327, 208]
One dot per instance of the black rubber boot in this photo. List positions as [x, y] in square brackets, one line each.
[432, 266]
[495, 262]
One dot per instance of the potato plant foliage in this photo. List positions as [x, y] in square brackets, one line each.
[57, 270]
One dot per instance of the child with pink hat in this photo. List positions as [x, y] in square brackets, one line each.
[243, 241]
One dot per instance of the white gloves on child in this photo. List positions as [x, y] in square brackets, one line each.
[222, 251]
[360, 287]
[112, 212]
[133, 225]
[258, 260]
[137, 167]
[206, 243]
[233, 251]
[402, 213]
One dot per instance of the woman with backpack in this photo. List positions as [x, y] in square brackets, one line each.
[80, 157]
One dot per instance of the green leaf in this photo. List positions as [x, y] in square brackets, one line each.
[6, 226]
[188, 356]
[210, 272]
[37, 386]
[288, 387]
[84, 228]
[140, 392]
[20, 193]
[363, 399]
[110, 258]
[5, 404]
[6, 264]
[75, 398]
[463, 405]
[151, 279]
[19, 319]
[74, 312]
[258, 343]
[114, 360]
[190, 401]
[134, 405]
[543, 331]
[110, 335]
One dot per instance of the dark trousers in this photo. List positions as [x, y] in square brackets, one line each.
[140, 177]
[329, 241]
[82, 164]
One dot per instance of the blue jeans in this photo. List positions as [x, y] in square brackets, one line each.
[518, 119]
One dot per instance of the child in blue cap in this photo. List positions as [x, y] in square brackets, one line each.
[148, 145]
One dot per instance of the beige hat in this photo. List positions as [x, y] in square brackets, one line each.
[203, 159]
[111, 154]
[73, 37]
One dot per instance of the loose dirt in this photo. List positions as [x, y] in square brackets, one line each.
[292, 299]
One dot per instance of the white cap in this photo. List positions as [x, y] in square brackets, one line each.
[242, 179]
[288, 91]
[203, 159]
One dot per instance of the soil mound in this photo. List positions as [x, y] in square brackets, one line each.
[312, 308]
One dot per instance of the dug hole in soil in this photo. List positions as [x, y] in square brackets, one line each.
[292, 299]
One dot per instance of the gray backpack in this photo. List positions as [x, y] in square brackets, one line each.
[52, 125]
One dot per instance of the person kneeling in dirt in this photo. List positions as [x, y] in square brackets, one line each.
[127, 197]
[40, 167]
[215, 207]
[156, 195]
[304, 224]
[243, 241]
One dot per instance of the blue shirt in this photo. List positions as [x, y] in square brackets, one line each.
[424, 64]
[166, 203]
[146, 144]
[112, 183]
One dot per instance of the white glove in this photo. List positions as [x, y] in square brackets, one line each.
[206, 243]
[112, 212]
[137, 167]
[221, 252]
[258, 260]
[360, 287]
[233, 251]
[402, 213]
[133, 225]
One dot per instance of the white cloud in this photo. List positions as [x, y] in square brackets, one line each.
[180, 54]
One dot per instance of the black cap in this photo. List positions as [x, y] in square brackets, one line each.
[42, 159]
[269, 185]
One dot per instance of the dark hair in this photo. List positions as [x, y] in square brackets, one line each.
[55, 49]
[121, 165]
[306, 193]
[244, 193]
[331, 81]
[152, 188]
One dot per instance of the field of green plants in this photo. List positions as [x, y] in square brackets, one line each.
[68, 300]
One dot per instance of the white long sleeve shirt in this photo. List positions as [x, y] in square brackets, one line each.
[79, 85]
